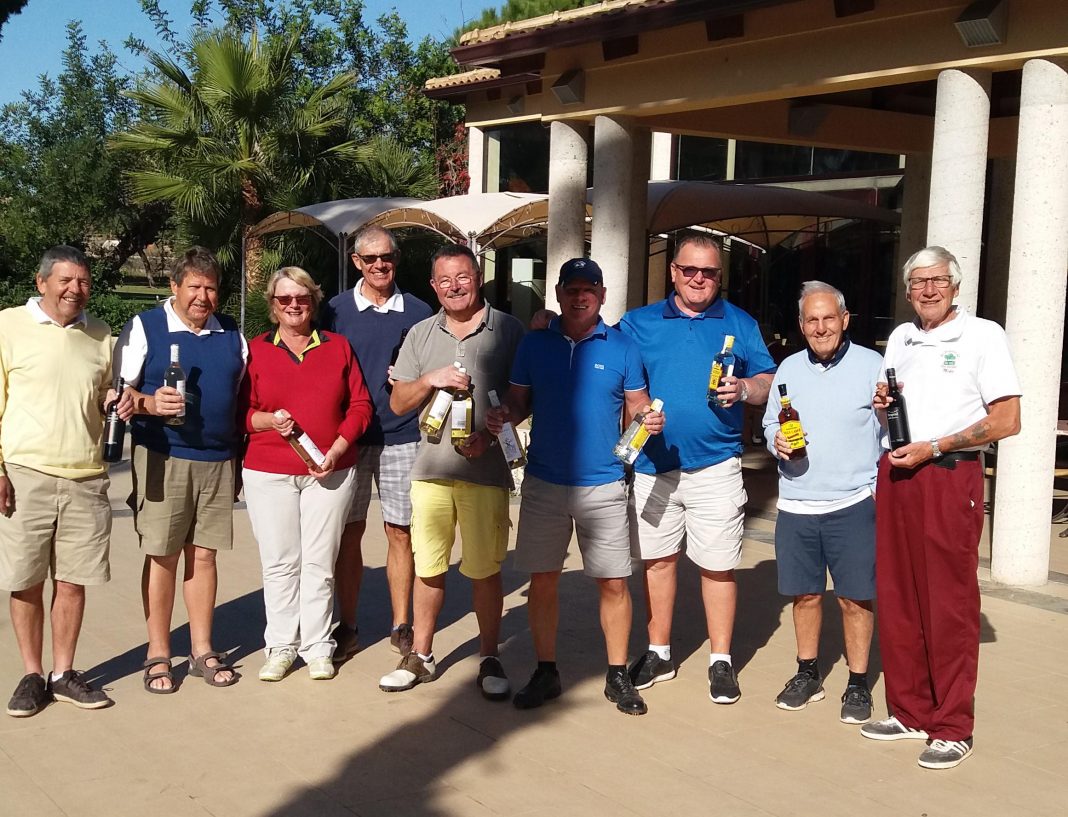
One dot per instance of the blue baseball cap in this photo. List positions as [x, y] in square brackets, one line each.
[583, 268]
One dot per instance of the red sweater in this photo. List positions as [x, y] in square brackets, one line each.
[324, 393]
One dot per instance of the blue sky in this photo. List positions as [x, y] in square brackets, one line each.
[34, 40]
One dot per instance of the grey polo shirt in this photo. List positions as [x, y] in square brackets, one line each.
[487, 355]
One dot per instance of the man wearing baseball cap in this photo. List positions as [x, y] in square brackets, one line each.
[580, 378]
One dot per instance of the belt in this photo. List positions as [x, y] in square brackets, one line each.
[950, 460]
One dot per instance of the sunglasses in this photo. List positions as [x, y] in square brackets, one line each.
[385, 258]
[286, 300]
[690, 272]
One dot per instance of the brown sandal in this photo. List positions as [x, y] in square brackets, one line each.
[198, 668]
[150, 676]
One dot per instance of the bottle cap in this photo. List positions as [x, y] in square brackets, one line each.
[495, 401]
[782, 389]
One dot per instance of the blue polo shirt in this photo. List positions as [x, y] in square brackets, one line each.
[577, 394]
[677, 350]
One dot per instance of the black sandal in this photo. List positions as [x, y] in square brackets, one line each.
[150, 676]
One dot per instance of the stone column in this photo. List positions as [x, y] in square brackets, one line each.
[567, 201]
[476, 160]
[958, 173]
[639, 196]
[1038, 262]
[913, 233]
[613, 189]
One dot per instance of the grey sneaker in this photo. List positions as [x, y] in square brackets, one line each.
[945, 754]
[401, 638]
[799, 691]
[411, 670]
[71, 688]
[856, 705]
[891, 729]
[650, 669]
[723, 683]
[31, 696]
[347, 642]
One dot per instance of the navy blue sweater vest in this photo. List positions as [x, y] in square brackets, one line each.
[213, 366]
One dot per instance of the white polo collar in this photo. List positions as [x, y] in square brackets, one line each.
[39, 315]
[176, 324]
[394, 303]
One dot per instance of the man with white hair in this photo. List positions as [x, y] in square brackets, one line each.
[962, 395]
[826, 494]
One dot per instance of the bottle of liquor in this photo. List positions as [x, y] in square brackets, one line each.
[175, 378]
[114, 426]
[508, 439]
[397, 348]
[463, 413]
[437, 410]
[722, 366]
[897, 418]
[633, 439]
[790, 425]
[304, 445]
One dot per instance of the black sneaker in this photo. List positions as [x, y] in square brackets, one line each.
[800, 691]
[346, 642]
[650, 669]
[71, 688]
[31, 696]
[544, 685]
[401, 638]
[492, 682]
[723, 683]
[856, 705]
[620, 691]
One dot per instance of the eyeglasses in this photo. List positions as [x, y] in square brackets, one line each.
[690, 272]
[446, 283]
[286, 300]
[385, 258]
[940, 282]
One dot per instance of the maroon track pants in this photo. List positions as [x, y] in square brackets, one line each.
[928, 522]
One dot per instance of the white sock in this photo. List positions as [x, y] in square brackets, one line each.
[55, 676]
[426, 659]
[662, 650]
[719, 656]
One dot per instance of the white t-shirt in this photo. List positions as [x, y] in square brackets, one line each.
[951, 374]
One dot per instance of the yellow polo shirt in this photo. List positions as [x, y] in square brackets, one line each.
[53, 380]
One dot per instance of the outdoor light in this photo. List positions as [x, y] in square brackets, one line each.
[984, 22]
[515, 104]
[570, 87]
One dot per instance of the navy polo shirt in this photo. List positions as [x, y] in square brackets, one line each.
[577, 393]
[677, 350]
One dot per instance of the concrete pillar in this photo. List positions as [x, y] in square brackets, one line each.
[662, 162]
[913, 233]
[958, 173]
[613, 192]
[998, 234]
[476, 160]
[567, 201]
[1035, 325]
[639, 196]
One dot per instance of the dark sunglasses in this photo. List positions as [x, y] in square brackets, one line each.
[286, 300]
[385, 258]
[690, 272]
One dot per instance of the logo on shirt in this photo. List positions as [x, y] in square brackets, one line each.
[949, 361]
[599, 366]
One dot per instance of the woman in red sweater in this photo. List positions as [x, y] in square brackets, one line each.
[303, 385]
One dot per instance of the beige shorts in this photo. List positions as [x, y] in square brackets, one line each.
[59, 526]
[481, 511]
[178, 502]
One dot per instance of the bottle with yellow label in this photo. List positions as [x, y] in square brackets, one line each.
[722, 366]
[635, 437]
[790, 425]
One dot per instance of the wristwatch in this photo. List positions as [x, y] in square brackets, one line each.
[745, 392]
[936, 452]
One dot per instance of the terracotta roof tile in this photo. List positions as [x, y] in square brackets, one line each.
[556, 18]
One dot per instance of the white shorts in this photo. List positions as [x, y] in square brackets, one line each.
[704, 508]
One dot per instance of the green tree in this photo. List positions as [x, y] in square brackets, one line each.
[9, 8]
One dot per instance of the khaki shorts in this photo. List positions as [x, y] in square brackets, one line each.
[177, 502]
[481, 511]
[60, 527]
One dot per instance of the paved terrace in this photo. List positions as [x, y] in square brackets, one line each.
[344, 748]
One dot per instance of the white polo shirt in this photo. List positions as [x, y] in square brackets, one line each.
[951, 374]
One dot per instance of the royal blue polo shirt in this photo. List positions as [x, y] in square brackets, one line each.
[677, 351]
[577, 393]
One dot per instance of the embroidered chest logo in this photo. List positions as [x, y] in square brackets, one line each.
[949, 361]
[599, 366]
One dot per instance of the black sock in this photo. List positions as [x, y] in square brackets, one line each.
[858, 679]
[616, 669]
[809, 667]
[547, 666]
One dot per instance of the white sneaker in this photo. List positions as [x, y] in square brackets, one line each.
[321, 669]
[279, 660]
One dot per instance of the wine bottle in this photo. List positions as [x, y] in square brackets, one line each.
[304, 445]
[508, 439]
[634, 438]
[175, 378]
[462, 413]
[897, 418]
[722, 366]
[437, 410]
[397, 348]
[114, 426]
[790, 425]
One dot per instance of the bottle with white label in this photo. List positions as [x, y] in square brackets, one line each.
[304, 445]
[437, 410]
[635, 437]
[174, 377]
[512, 449]
[463, 413]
